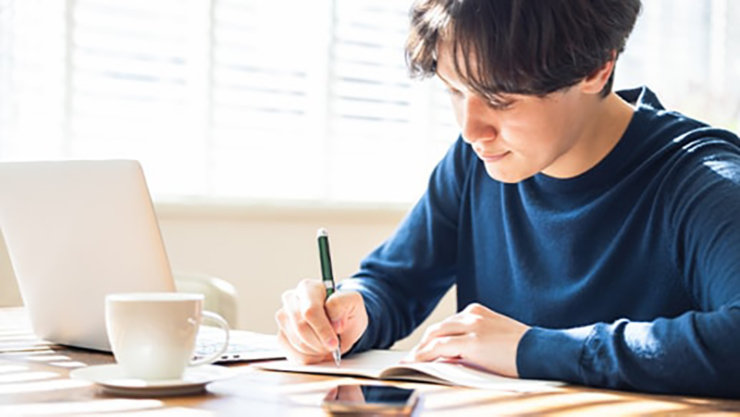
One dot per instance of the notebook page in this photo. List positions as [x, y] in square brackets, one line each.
[457, 374]
[368, 364]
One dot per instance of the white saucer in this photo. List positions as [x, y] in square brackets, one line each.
[111, 379]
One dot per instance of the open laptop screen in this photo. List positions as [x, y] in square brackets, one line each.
[76, 231]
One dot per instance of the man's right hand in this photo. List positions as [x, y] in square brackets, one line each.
[308, 322]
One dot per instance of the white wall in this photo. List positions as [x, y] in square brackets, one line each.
[262, 249]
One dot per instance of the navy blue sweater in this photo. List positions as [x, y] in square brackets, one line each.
[629, 273]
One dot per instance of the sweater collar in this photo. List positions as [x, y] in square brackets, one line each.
[645, 103]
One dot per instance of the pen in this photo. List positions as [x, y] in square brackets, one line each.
[327, 277]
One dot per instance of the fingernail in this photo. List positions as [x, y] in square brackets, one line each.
[331, 343]
[337, 325]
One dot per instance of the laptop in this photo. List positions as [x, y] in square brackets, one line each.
[78, 230]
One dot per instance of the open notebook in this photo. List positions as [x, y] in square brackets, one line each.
[385, 364]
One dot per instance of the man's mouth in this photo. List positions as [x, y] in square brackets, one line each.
[493, 157]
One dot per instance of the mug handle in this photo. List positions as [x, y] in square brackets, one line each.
[215, 355]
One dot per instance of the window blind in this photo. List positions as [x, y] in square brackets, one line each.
[32, 75]
[5, 56]
[129, 84]
[257, 99]
[688, 52]
[266, 108]
[225, 98]
[381, 123]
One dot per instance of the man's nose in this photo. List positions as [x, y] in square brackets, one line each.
[477, 120]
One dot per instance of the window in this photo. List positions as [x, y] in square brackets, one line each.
[308, 100]
[688, 52]
[228, 98]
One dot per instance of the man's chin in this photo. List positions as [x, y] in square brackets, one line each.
[506, 177]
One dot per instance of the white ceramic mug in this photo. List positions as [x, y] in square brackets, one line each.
[153, 334]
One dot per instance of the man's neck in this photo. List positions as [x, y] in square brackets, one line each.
[604, 127]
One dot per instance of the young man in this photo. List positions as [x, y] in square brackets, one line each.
[593, 236]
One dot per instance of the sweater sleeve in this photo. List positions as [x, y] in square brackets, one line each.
[403, 279]
[696, 352]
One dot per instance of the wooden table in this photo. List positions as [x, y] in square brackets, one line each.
[35, 381]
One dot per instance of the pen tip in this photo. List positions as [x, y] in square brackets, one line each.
[337, 358]
[321, 232]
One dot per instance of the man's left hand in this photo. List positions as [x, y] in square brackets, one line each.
[477, 336]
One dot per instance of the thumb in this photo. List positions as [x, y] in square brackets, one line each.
[341, 307]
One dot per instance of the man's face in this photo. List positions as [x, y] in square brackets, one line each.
[532, 135]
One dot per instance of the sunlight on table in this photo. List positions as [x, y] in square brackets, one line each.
[55, 385]
[95, 406]
[26, 376]
[12, 368]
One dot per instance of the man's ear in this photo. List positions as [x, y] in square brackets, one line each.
[595, 82]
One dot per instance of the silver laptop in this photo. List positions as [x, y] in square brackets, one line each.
[78, 230]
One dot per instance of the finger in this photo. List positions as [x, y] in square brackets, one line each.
[303, 331]
[293, 337]
[299, 332]
[313, 311]
[349, 317]
[444, 347]
[452, 326]
[340, 307]
[294, 355]
[287, 347]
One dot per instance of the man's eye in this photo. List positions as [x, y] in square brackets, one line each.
[454, 93]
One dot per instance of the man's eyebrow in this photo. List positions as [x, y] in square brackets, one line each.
[499, 99]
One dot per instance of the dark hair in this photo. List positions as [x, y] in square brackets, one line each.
[531, 47]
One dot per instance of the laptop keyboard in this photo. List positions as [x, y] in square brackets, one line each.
[243, 346]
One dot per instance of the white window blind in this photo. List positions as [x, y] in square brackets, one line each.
[381, 122]
[32, 79]
[225, 98]
[688, 52]
[286, 100]
[129, 83]
[5, 84]
[267, 136]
